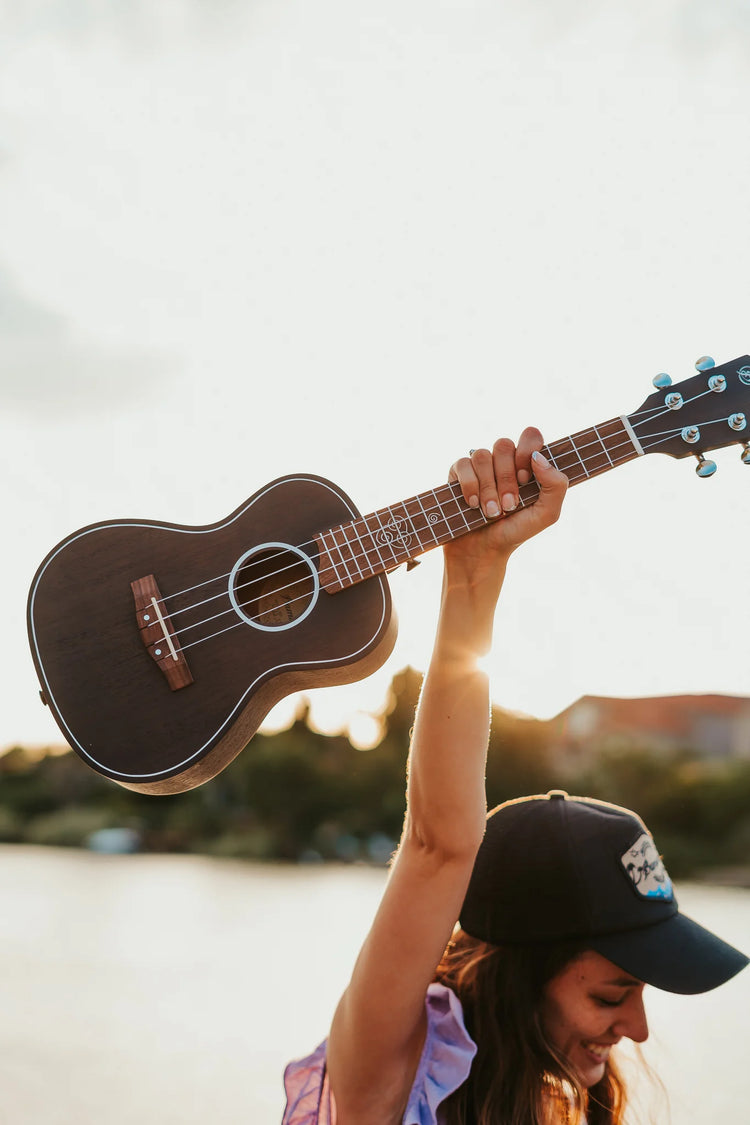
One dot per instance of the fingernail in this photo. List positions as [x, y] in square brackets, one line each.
[537, 457]
[509, 502]
[473, 501]
[492, 510]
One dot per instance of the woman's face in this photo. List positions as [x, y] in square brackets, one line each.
[588, 1007]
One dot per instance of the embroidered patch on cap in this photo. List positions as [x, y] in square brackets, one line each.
[645, 869]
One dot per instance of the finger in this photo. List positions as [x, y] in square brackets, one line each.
[529, 440]
[552, 488]
[463, 472]
[506, 479]
[484, 466]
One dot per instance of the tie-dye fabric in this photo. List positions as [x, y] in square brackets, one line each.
[445, 1063]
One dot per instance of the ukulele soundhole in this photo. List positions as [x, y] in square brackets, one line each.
[273, 586]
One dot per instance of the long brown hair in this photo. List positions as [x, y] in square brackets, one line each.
[517, 1077]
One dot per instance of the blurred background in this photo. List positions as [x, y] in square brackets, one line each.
[242, 239]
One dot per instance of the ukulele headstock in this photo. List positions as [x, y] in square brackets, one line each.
[708, 411]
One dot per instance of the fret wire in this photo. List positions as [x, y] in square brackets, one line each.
[348, 542]
[592, 456]
[602, 442]
[580, 447]
[440, 521]
[458, 500]
[369, 546]
[604, 447]
[359, 540]
[338, 546]
[426, 518]
[370, 535]
[454, 498]
[398, 535]
[370, 531]
[552, 456]
[589, 445]
[408, 517]
[412, 525]
[440, 512]
[330, 554]
[402, 537]
[329, 564]
[578, 455]
[386, 541]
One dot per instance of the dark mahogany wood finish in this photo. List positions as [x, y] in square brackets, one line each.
[113, 703]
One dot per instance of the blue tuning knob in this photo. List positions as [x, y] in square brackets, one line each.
[705, 363]
[663, 380]
[705, 468]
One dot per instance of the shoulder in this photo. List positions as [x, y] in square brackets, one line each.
[444, 1065]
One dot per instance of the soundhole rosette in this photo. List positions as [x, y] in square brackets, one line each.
[273, 587]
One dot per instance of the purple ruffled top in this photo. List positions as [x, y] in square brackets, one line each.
[444, 1065]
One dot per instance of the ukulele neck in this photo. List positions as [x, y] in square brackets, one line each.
[391, 536]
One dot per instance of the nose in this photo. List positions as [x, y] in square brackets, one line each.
[632, 1022]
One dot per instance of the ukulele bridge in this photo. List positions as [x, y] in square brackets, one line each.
[157, 633]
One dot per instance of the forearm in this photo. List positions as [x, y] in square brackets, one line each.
[446, 795]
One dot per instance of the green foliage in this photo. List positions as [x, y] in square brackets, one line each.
[302, 795]
[11, 825]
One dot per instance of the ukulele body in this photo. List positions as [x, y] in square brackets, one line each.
[249, 621]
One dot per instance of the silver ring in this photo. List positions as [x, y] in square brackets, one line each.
[472, 452]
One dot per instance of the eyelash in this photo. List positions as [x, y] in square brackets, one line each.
[608, 1003]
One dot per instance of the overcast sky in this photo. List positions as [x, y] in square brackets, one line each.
[244, 239]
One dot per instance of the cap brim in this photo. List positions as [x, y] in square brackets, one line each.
[676, 955]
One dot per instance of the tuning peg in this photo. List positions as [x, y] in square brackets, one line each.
[745, 455]
[661, 381]
[705, 468]
[705, 363]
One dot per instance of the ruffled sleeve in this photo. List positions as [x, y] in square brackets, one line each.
[308, 1098]
[446, 1057]
[445, 1063]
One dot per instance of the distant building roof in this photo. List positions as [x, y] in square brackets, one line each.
[712, 724]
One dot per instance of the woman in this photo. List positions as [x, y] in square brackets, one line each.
[565, 908]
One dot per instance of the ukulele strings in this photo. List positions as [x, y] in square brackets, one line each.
[311, 542]
[479, 520]
[532, 494]
[453, 488]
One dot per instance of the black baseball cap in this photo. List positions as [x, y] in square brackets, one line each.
[557, 868]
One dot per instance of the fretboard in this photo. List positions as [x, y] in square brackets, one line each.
[382, 541]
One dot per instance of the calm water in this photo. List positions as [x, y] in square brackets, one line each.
[172, 989]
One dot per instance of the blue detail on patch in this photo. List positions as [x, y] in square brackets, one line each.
[664, 890]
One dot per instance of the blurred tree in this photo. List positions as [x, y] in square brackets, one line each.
[300, 794]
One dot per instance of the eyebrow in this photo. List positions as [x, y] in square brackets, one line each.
[624, 982]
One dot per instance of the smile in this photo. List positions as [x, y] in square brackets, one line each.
[598, 1050]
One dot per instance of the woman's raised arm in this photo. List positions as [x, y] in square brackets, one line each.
[378, 1029]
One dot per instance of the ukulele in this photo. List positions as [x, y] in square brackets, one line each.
[161, 647]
